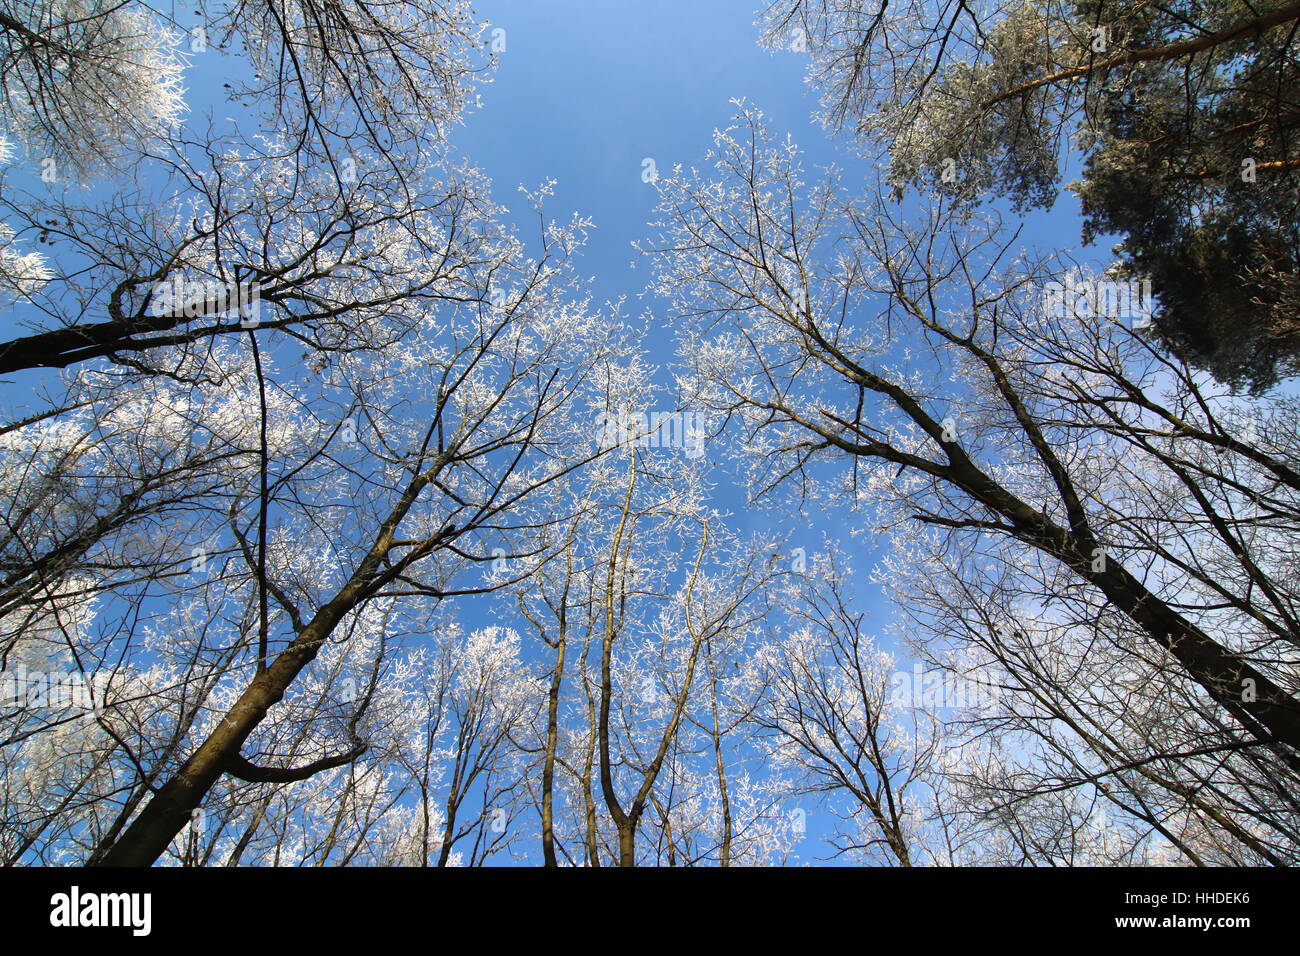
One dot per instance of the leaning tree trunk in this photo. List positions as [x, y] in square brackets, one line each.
[167, 813]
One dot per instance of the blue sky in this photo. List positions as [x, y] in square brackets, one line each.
[587, 90]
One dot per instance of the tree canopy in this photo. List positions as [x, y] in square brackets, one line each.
[343, 523]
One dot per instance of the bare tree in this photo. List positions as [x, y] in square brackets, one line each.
[804, 308]
[830, 714]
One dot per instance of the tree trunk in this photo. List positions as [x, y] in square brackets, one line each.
[627, 845]
[548, 769]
